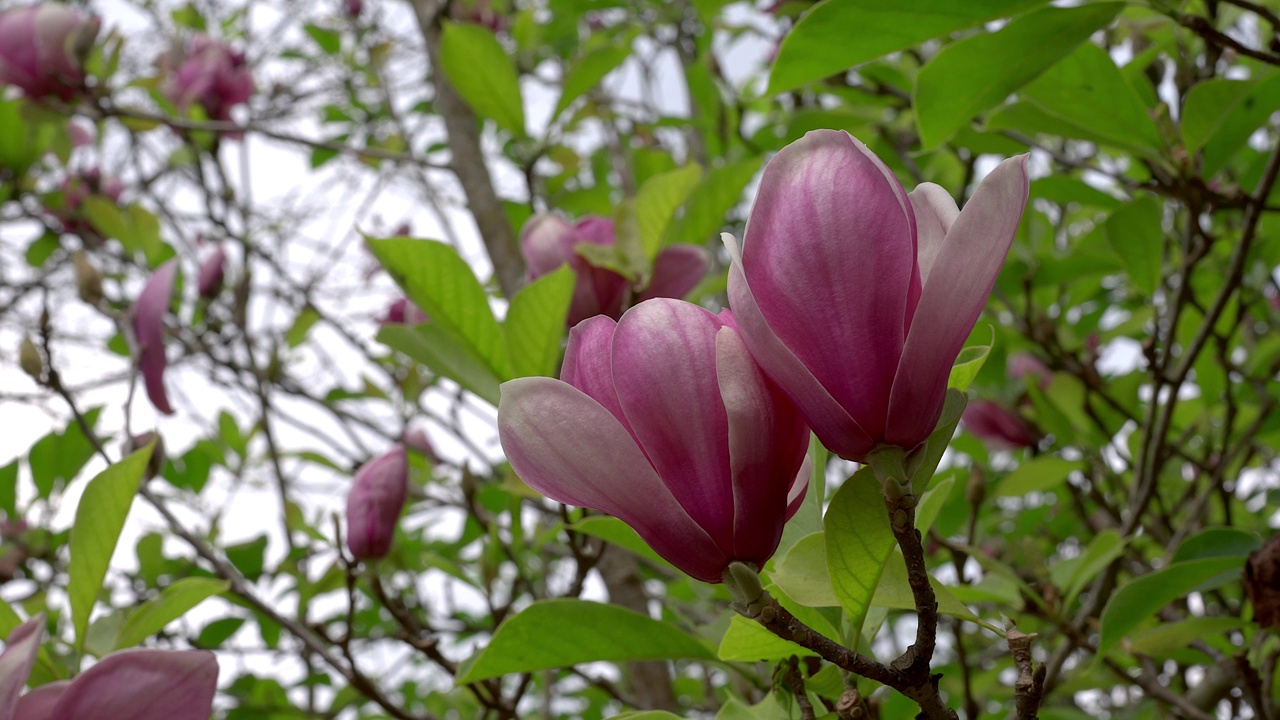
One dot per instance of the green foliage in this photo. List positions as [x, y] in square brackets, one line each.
[480, 70]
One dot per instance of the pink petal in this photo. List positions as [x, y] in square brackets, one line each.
[830, 422]
[767, 444]
[664, 369]
[143, 685]
[588, 363]
[39, 703]
[970, 259]
[566, 446]
[830, 258]
[16, 661]
[546, 242]
[1000, 428]
[676, 271]
[799, 487]
[597, 230]
[374, 503]
[148, 331]
[935, 212]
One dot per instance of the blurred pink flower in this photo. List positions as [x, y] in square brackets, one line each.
[136, 684]
[212, 75]
[212, 271]
[404, 312]
[148, 332]
[416, 439]
[374, 503]
[663, 420]
[43, 48]
[998, 427]
[1025, 365]
[856, 296]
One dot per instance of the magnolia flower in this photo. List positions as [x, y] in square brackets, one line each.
[403, 311]
[374, 504]
[856, 296]
[43, 48]
[134, 684]
[663, 420]
[1000, 428]
[211, 273]
[148, 332]
[549, 241]
[416, 439]
[213, 75]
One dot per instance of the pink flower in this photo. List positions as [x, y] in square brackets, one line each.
[1025, 365]
[856, 297]
[404, 312]
[210, 276]
[663, 420]
[213, 75]
[133, 684]
[416, 439]
[549, 241]
[148, 332]
[374, 504]
[353, 7]
[43, 48]
[1000, 428]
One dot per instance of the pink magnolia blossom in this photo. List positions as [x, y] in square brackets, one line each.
[43, 48]
[663, 420]
[549, 241]
[134, 684]
[403, 311]
[148, 332]
[856, 296]
[211, 274]
[212, 75]
[416, 439]
[1000, 428]
[374, 503]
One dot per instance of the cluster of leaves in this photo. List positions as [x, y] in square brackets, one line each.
[1143, 280]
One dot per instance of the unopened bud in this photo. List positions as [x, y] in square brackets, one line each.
[975, 491]
[373, 506]
[155, 465]
[88, 279]
[30, 359]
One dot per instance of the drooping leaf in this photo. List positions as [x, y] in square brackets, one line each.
[838, 34]
[973, 75]
[99, 518]
[560, 633]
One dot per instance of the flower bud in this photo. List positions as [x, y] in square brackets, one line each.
[373, 506]
[353, 7]
[210, 276]
[88, 279]
[43, 48]
[148, 332]
[213, 76]
[30, 359]
[1000, 428]
[416, 440]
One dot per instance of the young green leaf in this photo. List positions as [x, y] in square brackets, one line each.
[481, 71]
[534, 325]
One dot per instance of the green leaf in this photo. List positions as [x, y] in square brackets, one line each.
[969, 363]
[444, 354]
[443, 285]
[172, 604]
[1135, 233]
[1100, 553]
[646, 715]
[1166, 638]
[481, 71]
[41, 249]
[1141, 598]
[718, 193]
[1220, 542]
[837, 34]
[329, 41]
[249, 557]
[970, 77]
[802, 573]
[99, 518]
[657, 202]
[749, 641]
[931, 504]
[1039, 475]
[9, 489]
[1089, 91]
[859, 543]
[589, 70]
[297, 333]
[613, 530]
[924, 461]
[894, 592]
[560, 633]
[535, 323]
[1219, 116]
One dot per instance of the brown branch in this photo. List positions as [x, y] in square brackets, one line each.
[1202, 27]
[1028, 689]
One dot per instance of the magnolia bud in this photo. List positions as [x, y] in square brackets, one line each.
[30, 359]
[209, 277]
[88, 279]
[155, 465]
[373, 506]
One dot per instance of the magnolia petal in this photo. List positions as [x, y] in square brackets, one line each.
[1000, 428]
[676, 271]
[374, 503]
[829, 420]
[767, 443]
[588, 363]
[143, 685]
[935, 212]
[39, 703]
[970, 259]
[148, 331]
[830, 257]
[16, 661]
[546, 242]
[601, 468]
[799, 487]
[664, 369]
